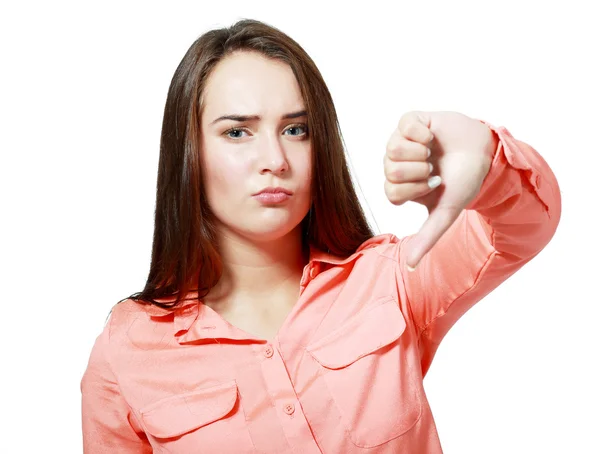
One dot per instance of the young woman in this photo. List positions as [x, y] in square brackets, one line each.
[273, 320]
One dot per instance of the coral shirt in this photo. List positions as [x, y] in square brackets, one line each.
[344, 374]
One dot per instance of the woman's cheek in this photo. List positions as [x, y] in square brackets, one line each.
[228, 173]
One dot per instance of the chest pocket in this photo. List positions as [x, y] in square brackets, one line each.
[364, 364]
[208, 417]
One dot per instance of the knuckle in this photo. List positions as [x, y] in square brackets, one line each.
[398, 173]
[394, 173]
[390, 176]
[404, 118]
[410, 128]
[393, 147]
[393, 193]
[404, 128]
[390, 148]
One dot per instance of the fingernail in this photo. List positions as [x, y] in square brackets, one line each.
[429, 152]
[434, 182]
[430, 167]
[410, 268]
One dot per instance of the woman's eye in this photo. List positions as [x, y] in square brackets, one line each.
[233, 130]
[296, 127]
[238, 131]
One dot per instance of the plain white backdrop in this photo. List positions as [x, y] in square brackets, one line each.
[83, 86]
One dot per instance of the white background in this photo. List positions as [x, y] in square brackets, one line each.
[82, 92]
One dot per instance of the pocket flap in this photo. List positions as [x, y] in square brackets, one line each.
[176, 415]
[365, 332]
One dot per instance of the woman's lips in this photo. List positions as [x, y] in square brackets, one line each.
[272, 197]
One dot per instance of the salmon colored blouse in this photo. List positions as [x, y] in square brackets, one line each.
[344, 374]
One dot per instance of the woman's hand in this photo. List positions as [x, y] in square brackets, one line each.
[462, 149]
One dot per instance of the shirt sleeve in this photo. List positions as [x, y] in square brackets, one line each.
[107, 422]
[513, 217]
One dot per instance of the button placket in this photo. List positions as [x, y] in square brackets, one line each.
[283, 396]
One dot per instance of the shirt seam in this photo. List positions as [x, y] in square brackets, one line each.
[397, 265]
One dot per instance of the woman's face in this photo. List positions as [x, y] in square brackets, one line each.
[240, 158]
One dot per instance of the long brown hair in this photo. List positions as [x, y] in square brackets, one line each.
[184, 255]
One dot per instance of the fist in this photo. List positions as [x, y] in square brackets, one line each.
[461, 150]
[406, 163]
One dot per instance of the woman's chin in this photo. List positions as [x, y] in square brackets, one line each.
[269, 231]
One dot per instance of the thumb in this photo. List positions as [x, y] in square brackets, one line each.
[437, 223]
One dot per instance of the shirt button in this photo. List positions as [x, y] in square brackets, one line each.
[289, 408]
[268, 351]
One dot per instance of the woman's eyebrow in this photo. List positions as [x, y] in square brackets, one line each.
[238, 117]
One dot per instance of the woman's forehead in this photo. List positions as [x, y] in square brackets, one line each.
[251, 85]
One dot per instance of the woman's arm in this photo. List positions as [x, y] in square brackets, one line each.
[511, 220]
[108, 424]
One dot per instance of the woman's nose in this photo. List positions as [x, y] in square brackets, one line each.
[272, 155]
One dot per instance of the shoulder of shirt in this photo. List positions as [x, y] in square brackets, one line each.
[385, 244]
[123, 311]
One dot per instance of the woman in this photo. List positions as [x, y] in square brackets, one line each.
[273, 320]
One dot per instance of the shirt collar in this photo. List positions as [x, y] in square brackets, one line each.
[193, 320]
